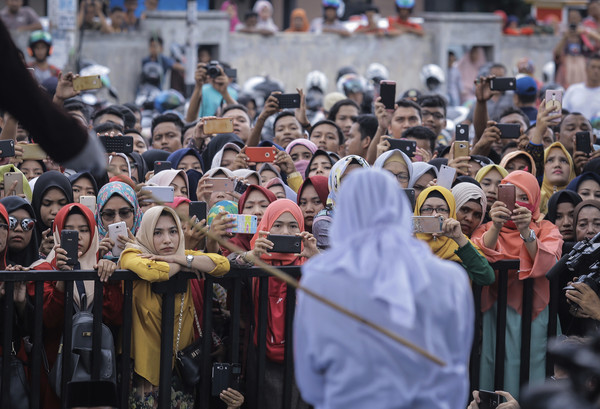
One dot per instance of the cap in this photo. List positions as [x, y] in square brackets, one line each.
[331, 3]
[526, 86]
[405, 4]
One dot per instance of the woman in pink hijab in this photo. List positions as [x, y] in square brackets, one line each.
[231, 8]
[469, 66]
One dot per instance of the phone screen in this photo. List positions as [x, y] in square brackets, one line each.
[387, 91]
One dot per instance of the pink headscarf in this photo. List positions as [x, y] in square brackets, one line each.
[233, 15]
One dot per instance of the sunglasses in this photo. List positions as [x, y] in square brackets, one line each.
[109, 215]
[26, 223]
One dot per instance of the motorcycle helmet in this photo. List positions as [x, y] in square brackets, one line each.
[39, 36]
[316, 80]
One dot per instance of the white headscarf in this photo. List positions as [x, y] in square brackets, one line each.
[419, 169]
[337, 171]
[218, 158]
[465, 191]
[371, 239]
[381, 160]
[211, 173]
[110, 159]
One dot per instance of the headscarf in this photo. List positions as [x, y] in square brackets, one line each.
[365, 244]
[233, 20]
[194, 177]
[4, 214]
[122, 155]
[246, 173]
[574, 185]
[515, 154]
[418, 170]
[179, 154]
[11, 168]
[268, 166]
[140, 165]
[320, 183]
[442, 246]
[215, 145]
[304, 142]
[302, 14]
[337, 171]
[47, 181]
[166, 177]
[581, 205]
[31, 253]
[218, 158]
[87, 175]
[289, 192]
[392, 155]
[128, 194]
[547, 188]
[153, 155]
[333, 158]
[243, 240]
[562, 196]
[144, 239]
[463, 192]
[178, 201]
[211, 173]
[484, 171]
[267, 24]
[276, 209]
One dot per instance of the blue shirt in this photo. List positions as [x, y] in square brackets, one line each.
[212, 100]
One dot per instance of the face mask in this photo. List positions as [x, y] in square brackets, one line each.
[510, 224]
[301, 166]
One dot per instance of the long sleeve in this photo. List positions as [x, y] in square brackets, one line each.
[221, 263]
[476, 265]
[146, 269]
[112, 303]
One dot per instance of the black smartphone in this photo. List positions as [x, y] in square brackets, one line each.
[509, 131]
[405, 146]
[410, 193]
[230, 72]
[285, 244]
[461, 133]
[7, 148]
[198, 209]
[288, 100]
[221, 375]
[160, 165]
[69, 241]
[117, 144]
[488, 400]
[387, 91]
[240, 187]
[583, 142]
[503, 84]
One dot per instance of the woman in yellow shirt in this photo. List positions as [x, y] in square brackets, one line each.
[158, 254]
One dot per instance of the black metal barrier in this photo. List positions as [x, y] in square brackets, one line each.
[503, 268]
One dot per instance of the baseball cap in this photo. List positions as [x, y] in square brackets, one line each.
[526, 86]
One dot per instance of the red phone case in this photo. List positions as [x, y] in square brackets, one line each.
[261, 154]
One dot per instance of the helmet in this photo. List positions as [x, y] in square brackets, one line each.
[548, 71]
[405, 4]
[351, 83]
[37, 37]
[348, 69]
[377, 72]
[152, 73]
[167, 100]
[316, 80]
[331, 3]
[432, 76]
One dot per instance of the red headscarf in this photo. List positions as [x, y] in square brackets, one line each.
[4, 215]
[320, 185]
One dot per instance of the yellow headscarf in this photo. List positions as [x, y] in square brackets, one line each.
[11, 168]
[484, 171]
[442, 246]
[547, 188]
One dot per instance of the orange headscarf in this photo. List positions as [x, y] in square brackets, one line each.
[305, 24]
[510, 247]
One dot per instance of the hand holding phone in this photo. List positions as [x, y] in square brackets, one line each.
[87, 83]
[427, 224]
[446, 177]
[218, 125]
[507, 195]
[285, 244]
[114, 231]
[488, 400]
[13, 179]
[288, 100]
[7, 148]
[69, 241]
[387, 92]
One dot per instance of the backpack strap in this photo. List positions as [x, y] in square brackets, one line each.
[82, 297]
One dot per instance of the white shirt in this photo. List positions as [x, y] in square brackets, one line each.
[580, 98]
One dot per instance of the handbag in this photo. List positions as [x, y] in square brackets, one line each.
[188, 361]
[19, 388]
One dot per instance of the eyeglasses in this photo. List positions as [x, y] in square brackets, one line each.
[435, 115]
[26, 223]
[430, 210]
[109, 215]
[402, 177]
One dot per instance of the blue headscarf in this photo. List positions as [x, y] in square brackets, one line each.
[176, 156]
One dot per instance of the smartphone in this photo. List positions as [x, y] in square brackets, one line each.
[427, 224]
[221, 377]
[164, 194]
[240, 187]
[288, 100]
[285, 244]
[33, 151]
[507, 195]
[410, 193]
[86, 83]
[117, 144]
[387, 92]
[7, 148]
[9, 179]
[89, 202]
[503, 84]
[488, 400]
[554, 99]
[461, 148]
[583, 142]
[160, 165]
[509, 131]
[261, 154]
[245, 223]
[461, 133]
[405, 146]
[114, 230]
[198, 209]
[446, 177]
[218, 125]
[221, 184]
[69, 241]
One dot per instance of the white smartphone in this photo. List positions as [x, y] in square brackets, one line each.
[164, 194]
[89, 202]
[446, 177]
[114, 230]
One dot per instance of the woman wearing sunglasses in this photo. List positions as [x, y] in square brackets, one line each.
[116, 203]
[23, 247]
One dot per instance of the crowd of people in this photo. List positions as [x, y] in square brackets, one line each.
[357, 247]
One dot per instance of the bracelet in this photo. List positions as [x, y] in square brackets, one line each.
[243, 255]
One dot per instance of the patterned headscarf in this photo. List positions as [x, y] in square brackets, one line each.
[128, 194]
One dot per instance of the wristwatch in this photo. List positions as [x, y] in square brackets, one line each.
[531, 237]
[190, 259]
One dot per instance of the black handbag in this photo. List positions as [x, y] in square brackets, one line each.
[19, 388]
[188, 361]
